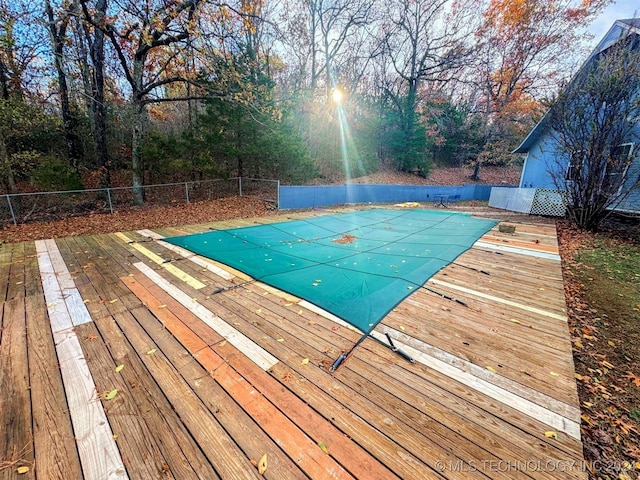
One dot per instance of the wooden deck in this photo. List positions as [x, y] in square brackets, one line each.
[118, 360]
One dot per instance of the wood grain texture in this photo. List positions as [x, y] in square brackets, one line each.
[99, 454]
[260, 356]
[56, 455]
[493, 374]
[16, 439]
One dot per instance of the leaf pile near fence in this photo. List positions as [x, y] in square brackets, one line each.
[51, 206]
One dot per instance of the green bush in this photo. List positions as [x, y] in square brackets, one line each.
[53, 175]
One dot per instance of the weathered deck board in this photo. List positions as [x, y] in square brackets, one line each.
[16, 440]
[491, 378]
[184, 459]
[56, 455]
[221, 450]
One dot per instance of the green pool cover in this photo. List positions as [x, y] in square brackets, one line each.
[358, 265]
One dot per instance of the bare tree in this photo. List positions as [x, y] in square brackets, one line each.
[524, 50]
[594, 123]
[425, 41]
[148, 39]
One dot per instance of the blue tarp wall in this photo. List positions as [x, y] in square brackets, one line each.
[324, 196]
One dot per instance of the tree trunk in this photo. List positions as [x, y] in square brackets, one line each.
[58, 39]
[475, 176]
[5, 166]
[4, 84]
[139, 126]
[100, 128]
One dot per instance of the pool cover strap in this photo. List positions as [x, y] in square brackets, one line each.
[357, 266]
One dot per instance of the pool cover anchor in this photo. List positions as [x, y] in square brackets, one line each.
[343, 356]
[402, 353]
[233, 286]
[446, 297]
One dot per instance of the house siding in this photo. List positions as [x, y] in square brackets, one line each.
[542, 159]
[632, 202]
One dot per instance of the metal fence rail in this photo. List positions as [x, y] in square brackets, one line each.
[49, 206]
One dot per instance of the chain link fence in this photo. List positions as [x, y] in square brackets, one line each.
[50, 206]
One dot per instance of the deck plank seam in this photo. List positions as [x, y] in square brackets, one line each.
[472, 380]
[260, 356]
[99, 455]
[187, 254]
[177, 272]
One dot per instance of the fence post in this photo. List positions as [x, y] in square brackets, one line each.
[278, 196]
[13, 216]
[109, 197]
[240, 185]
[186, 191]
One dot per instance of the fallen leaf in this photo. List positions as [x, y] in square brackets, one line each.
[92, 336]
[262, 464]
[553, 374]
[162, 306]
[119, 368]
[323, 447]
[152, 351]
[304, 361]
[633, 378]
[611, 343]
[551, 434]
[491, 369]
[113, 301]
[578, 344]
[111, 395]
[281, 340]
[299, 312]
[222, 343]
[22, 470]
[288, 304]
[258, 311]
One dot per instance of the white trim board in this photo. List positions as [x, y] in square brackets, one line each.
[252, 350]
[476, 378]
[493, 298]
[64, 302]
[518, 250]
[99, 454]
